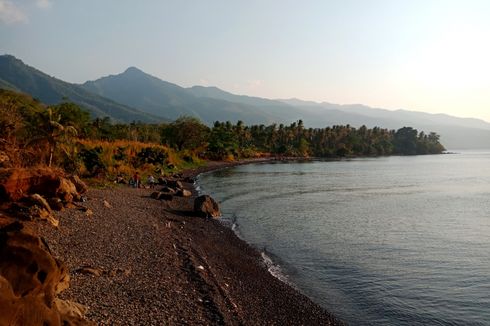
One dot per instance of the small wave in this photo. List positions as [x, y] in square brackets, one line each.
[275, 270]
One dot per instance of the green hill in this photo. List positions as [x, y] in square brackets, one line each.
[15, 75]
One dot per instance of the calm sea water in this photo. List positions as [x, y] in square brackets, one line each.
[382, 241]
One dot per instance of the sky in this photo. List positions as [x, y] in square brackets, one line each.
[431, 56]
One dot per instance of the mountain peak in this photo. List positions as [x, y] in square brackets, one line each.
[133, 70]
[10, 58]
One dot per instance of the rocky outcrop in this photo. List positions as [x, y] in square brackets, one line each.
[30, 279]
[16, 184]
[206, 206]
[34, 193]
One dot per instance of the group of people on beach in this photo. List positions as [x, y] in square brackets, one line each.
[135, 181]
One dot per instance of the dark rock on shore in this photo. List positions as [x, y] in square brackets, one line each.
[176, 184]
[169, 190]
[183, 193]
[206, 206]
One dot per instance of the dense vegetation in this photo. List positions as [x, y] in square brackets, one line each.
[64, 135]
[227, 140]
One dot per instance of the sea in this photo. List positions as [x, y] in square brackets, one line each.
[400, 240]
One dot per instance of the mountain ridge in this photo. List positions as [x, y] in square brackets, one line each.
[137, 95]
[16, 75]
[158, 97]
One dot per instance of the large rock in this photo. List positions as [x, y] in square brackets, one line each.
[80, 186]
[164, 196]
[206, 206]
[37, 212]
[155, 194]
[183, 193]
[176, 184]
[38, 200]
[67, 191]
[18, 183]
[168, 190]
[30, 279]
[161, 195]
[56, 204]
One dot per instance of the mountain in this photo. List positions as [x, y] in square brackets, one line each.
[456, 133]
[147, 93]
[15, 75]
[136, 95]
[394, 115]
[150, 94]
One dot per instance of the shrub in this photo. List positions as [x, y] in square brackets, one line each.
[151, 155]
[92, 160]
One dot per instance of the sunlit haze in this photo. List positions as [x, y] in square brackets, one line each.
[430, 56]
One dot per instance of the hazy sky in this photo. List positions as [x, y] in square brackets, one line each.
[431, 56]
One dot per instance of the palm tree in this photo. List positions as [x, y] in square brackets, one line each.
[54, 133]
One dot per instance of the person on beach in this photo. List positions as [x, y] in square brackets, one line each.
[120, 179]
[151, 181]
[136, 180]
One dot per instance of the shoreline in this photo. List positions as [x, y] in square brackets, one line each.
[153, 262]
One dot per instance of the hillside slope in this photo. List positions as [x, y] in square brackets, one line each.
[15, 75]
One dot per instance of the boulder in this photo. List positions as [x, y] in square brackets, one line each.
[72, 311]
[42, 210]
[30, 279]
[18, 183]
[56, 204]
[176, 184]
[162, 195]
[41, 213]
[155, 194]
[165, 196]
[32, 208]
[67, 191]
[80, 186]
[38, 200]
[206, 206]
[183, 193]
[169, 190]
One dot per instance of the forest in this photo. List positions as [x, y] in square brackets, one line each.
[64, 135]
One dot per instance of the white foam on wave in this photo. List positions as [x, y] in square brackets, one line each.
[275, 269]
[230, 221]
